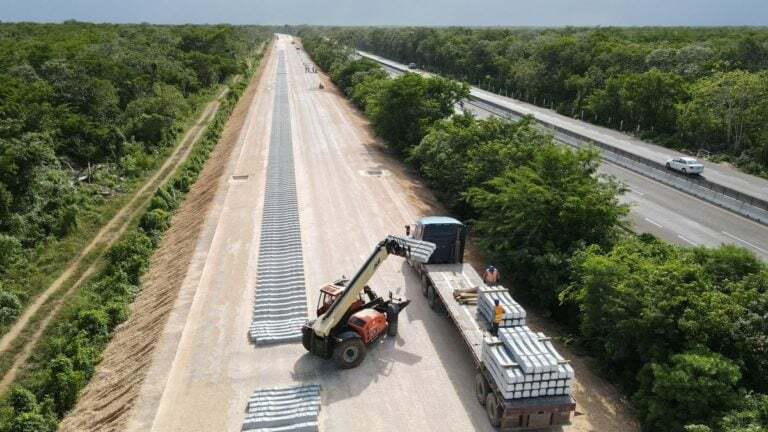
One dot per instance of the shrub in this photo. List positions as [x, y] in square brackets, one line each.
[10, 306]
[694, 387]
[22, 400]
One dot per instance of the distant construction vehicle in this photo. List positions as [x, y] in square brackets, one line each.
[521, 380]
[350, 315]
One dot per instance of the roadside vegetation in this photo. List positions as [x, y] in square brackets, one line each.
[690, 89]
[86, 113]
[66, 357]
[682, 330]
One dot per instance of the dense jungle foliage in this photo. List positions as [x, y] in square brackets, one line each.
[86, 111]
[686, 88]
[683, 330]
[66, 358]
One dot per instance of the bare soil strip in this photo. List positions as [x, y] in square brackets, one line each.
[105, 238]
[106, 402]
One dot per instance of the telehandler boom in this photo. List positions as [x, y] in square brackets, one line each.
[346, 320]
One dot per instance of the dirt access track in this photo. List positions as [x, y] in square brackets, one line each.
[110, 233]
[351, 195]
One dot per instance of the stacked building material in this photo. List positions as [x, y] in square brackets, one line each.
[514, 314]
[525, 364]
[466, 296]
[292, 409]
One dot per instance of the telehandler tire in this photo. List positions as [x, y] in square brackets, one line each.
[306, 336]
[392, 316]
[349, 353]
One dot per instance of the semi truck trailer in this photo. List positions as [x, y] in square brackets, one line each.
[446, 273]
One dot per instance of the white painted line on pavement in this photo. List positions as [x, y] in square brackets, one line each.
[687, 241]
[745, 242]
[652, 222]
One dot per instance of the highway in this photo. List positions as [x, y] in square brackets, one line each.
[350, 194]
[655, 208]
[719, 173]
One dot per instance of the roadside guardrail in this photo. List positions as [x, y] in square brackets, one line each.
[725, 197]
[722, 196]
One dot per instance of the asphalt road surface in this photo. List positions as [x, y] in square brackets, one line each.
[350, 196]
[658, 209]
[718, 173]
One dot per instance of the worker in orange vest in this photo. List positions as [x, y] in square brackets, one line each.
[498, 315]
[491, 276]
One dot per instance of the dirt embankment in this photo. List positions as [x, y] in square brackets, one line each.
[106, 403]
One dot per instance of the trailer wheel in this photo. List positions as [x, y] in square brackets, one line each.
[493, 409]
[349, 353]
[481, 388]
[424, 285]
[434, 300]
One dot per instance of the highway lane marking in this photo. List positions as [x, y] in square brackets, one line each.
[745, 242]
[727, 214]
[686, 240]
[652, 222]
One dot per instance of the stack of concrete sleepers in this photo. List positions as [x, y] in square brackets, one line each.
[525, 364]
[293, 409]
[280, 308]
[514, 314]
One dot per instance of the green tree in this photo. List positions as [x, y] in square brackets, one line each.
[751, 416]
[63, 383]
[522, 212]
[343, 74]
[131, 255]
[94, 322]
[21, 158]
[694, 387]
[31, 422]
[10, 251]
[155, 222]
[149, 119]
[726, 112]
[22, 400]
[405, 107]
[10, 306]
[647, 100]
[441, 156]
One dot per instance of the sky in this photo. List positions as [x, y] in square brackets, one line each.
[396, 12]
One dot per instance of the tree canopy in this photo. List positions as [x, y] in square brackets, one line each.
[683, 330]
[688, 88]
[85, 110]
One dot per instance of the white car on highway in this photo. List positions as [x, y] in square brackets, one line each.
[686, 165]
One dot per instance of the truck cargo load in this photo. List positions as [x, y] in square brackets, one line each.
[521, 379]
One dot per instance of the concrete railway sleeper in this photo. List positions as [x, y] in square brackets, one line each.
[280, 307]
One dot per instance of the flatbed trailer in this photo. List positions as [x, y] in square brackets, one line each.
[438, 283]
